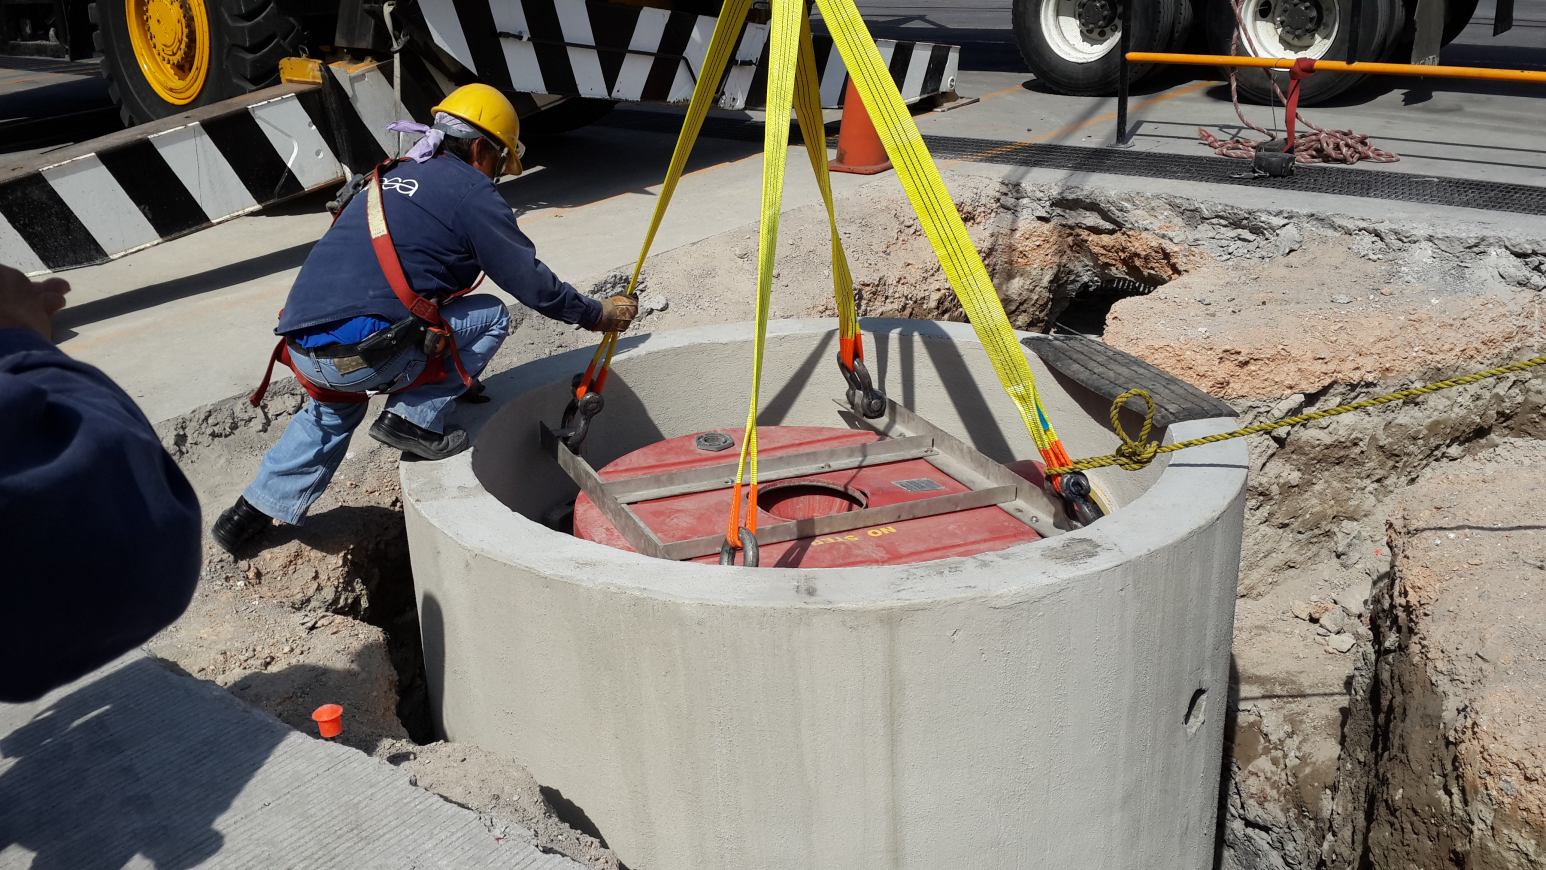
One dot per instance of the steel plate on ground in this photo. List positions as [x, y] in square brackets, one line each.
[1108, 372]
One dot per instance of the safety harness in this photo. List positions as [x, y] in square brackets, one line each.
[439, 340]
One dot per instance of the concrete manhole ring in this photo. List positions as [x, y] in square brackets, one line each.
[1027, 707]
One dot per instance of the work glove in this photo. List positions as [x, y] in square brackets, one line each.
[617, 312]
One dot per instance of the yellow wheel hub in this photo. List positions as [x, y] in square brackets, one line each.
[171, 45]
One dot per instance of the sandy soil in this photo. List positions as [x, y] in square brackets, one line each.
[1266, 329]
[1462, 771]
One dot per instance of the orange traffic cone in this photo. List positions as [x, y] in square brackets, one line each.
[858, 147]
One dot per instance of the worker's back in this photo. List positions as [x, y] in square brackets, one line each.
[427, 206]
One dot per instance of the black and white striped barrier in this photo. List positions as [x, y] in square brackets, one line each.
[629, 52]
[127, 191]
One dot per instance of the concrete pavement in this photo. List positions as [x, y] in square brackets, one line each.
[137, 766]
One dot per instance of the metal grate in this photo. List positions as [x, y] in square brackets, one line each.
[1339, 180]
[919, 484]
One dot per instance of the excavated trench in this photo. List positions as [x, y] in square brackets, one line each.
[1276, 313]
[1306, 749]
[384, 599]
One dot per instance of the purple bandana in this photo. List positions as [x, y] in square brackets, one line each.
[427, 147]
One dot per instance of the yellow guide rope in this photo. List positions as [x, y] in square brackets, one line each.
[1136, 453]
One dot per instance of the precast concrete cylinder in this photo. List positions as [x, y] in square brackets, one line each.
[1057, 704]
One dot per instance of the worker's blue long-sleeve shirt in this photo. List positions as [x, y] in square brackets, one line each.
[448, 224]
[100, 529]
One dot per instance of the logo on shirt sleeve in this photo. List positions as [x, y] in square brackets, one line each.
[404, 186]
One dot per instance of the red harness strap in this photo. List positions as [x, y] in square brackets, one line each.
[425, 309]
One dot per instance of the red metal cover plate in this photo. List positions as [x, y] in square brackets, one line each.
[679, 518]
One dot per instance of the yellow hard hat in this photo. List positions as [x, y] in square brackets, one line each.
[487, 109]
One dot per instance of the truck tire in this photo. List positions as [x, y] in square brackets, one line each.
[1303, 28]
[1071, 45]
[1457, 14]
[178, 54]
[1184, 33]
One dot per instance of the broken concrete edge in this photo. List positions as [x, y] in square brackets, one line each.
[1192, 491]
[1476, 229]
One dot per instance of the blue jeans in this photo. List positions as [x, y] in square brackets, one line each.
[297, 469]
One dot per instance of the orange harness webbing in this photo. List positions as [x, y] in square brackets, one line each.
[425, 309]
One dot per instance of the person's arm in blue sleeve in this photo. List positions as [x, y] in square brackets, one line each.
[504, 252]
[102, 530]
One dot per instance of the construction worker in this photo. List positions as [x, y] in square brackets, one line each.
[102, 529]
[416, 238]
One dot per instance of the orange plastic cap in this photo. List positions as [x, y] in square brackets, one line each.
[329, 719]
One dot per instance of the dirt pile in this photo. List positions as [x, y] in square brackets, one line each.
[315, 617]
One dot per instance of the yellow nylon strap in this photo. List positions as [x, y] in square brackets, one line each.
[937, 213]
[807, 110]
[784, 44]
[727, 29]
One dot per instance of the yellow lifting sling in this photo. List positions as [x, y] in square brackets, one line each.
[793, 87]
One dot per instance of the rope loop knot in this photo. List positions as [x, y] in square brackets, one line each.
[1135, 453]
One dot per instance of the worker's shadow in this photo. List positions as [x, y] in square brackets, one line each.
[113, 770]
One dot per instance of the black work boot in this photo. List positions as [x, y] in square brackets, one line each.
[475, 394]
[394, 431]
[240, 523]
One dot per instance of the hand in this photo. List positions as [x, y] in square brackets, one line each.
[617, 312]
[26, 304]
